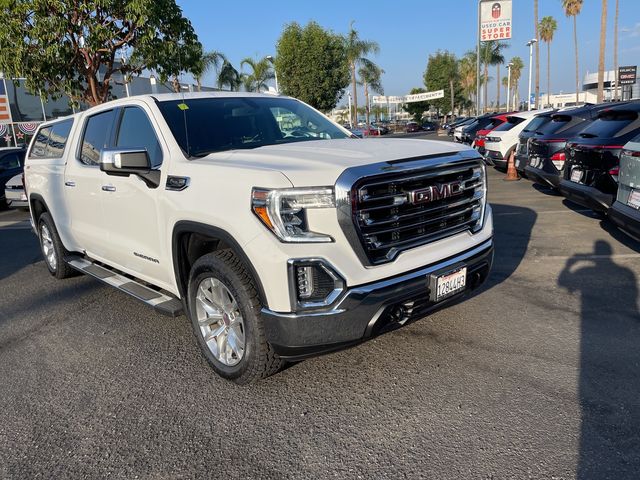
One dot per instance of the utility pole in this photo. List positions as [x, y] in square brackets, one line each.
[530, 45]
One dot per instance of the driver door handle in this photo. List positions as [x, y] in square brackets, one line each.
[108, 188]
[69, 184]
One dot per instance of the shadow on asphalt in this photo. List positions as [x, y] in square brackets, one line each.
[545, 190]
[620, 236]
[609, 379]
[512, 230]
[19, 248]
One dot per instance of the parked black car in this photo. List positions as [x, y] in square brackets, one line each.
[591, 171]
[454, 125]
[522, 151]
[11, 164]
[546, 148]
[429, 126]
[481, 123]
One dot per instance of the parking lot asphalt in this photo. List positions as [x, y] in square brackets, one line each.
[535, 376]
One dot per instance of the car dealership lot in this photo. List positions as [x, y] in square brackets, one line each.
[536, 376]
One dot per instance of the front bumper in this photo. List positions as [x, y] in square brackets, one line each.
[369, 310]
[626, 218]
[586, 196]
[543, 178]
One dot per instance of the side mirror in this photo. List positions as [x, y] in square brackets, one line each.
[123, 162]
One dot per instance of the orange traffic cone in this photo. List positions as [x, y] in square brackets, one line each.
[512, 173]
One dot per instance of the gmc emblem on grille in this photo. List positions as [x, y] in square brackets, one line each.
[439, 191]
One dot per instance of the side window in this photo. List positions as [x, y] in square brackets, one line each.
[9, 162]
[58, 138]
[136, 131]
[39, 149]
[95, 137]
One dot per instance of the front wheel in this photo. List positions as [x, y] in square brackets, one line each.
[224, 308]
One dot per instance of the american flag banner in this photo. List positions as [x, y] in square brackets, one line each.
[3, 130]
[5, 111]
[28, 127]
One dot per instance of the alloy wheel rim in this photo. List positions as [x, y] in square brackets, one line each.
[47, 246]
[220, 321]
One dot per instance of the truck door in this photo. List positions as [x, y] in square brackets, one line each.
[83, 182]
[130, 207]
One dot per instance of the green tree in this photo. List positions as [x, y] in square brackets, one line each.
[261, 73]
[572, 8]
[517, 65]
[491, 54]
[229, 77]
[547, 28]
[312, 65]
[73, 47]
[442, 74]
[416, 109]
[467, 74]
[356, 49]
[206, 62]
[371, 79]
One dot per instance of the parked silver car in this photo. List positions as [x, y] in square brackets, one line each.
[625, 211]
[14, 193]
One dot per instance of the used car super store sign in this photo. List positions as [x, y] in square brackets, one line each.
[495, 20]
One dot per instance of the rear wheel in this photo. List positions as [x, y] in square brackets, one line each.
[224, 308]
[52, 248]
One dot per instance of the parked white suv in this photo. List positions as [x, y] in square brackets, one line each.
[503, 140]
[275, 231]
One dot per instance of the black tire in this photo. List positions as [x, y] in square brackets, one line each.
[258, 359]
[56, 265]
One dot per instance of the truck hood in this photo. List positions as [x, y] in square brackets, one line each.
[320, 162]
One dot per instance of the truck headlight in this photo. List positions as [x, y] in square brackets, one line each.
[284, 211]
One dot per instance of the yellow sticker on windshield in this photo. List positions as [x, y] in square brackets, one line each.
[183, 106]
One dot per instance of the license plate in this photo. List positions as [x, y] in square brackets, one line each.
[634, 199]
[450, 283]
[534, 161]
[576, 175]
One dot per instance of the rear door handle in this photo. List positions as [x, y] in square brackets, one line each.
[70, 184]
[108, 188]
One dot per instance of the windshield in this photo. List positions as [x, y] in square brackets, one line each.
[205, 125]
[509, 124]
[536, 123]
[610, 124]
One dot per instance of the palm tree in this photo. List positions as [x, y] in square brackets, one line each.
[491, 54]
[547, 28]
[229, 76]
[615, 50]
[603, 34]
[205, 63]
[356, 49]
[370, 78]
[516, 71]
[572, 9]
[505, 84]
[467, 74]
[261, 73]
[537, 37]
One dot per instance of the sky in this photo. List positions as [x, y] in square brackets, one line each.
[409, 31]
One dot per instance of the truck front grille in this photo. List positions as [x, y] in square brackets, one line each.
[395, 212]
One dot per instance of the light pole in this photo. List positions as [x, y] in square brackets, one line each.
[275, 72]
[509, 65]
[530, 45]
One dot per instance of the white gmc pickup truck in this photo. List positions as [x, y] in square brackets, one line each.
[278, 234]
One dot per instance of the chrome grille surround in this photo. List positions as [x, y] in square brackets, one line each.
[378, 217]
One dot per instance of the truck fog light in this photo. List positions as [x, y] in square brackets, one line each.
[314, 283]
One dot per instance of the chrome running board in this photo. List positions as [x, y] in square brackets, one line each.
[163, 303]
